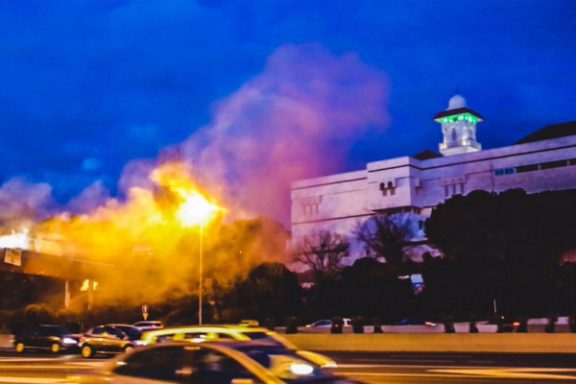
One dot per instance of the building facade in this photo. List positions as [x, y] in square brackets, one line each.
[342, 203]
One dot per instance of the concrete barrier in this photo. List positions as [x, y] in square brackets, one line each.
[436, 342]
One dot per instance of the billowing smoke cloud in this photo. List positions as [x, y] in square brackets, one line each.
[23, 203]
[297, 119]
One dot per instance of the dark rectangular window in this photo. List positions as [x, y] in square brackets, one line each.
[504, 171]
[553, 164]
[572, 161]
[527, 168]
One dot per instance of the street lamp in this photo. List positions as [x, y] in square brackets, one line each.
[197, 211]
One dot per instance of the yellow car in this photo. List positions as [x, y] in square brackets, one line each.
[208, 333]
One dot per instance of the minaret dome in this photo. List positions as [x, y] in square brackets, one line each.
[456, 101]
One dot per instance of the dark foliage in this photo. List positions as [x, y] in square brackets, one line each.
[505, 247]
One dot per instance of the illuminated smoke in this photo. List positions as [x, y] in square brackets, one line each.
[297, 119]
[22, 204]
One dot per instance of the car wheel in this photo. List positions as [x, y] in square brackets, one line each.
[20, 347]
[87, 351]
[55, 348]
[128, 348]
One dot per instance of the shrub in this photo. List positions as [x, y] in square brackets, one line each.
[358, 324]
[291, 324]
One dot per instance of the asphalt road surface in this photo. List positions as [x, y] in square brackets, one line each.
[369, 368]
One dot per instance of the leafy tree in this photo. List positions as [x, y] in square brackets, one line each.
[505, 245]
[270, 291]
[372, 289]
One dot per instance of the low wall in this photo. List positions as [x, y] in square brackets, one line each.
[436, 342]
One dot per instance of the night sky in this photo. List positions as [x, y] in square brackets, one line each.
[87, 87]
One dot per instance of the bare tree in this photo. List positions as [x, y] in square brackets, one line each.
[385, 235]
[322, 252]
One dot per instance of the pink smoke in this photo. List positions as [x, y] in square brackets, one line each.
[296, 120]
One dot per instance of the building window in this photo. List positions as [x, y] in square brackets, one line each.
[553, 164]
[527, 168]
[504, 171]
[453, 189]
[311, 205]
[388, 188]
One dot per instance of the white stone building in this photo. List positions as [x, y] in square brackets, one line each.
[340, 203]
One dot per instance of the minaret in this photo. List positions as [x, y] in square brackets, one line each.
[458, 127]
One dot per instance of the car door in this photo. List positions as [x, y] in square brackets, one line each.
[42, 337]
[158, 365]
[207, 366]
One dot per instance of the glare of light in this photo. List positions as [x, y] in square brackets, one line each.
[301, 369]
[196, 210]
[14, 240]
[86, 285]
[69, 340]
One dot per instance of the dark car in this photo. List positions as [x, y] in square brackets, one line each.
[104, 339]
[53, 338]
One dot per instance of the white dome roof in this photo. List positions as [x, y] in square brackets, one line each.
[456, 101]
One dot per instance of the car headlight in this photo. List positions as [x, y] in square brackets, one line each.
[69, 340]
[301, 369]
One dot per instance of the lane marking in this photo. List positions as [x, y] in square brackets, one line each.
[406, 374]
[516, 373]
[29, 359]
[30, 380]
[384, 361]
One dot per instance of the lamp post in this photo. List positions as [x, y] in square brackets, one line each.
[196, 210]
[201, 274]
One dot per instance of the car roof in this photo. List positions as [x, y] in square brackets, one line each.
[210, 328]
[238, 330]
[120, 325]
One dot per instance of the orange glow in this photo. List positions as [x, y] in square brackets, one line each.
[196, 210]
[141, 248]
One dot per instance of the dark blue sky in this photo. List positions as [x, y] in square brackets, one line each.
[88, 86]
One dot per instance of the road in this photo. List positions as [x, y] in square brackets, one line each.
[369, 368]
[458, 368]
